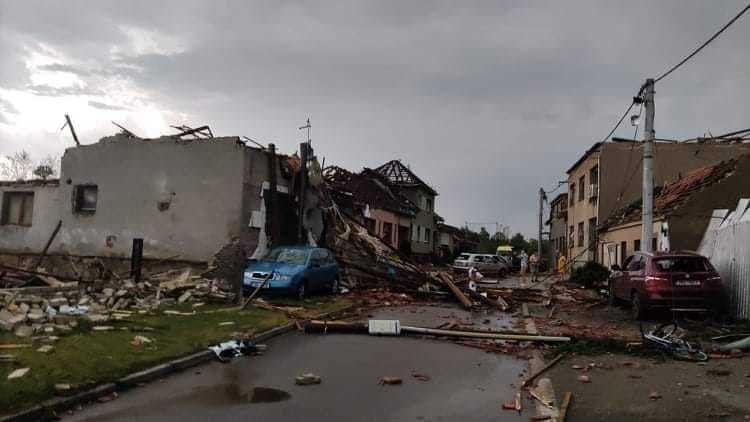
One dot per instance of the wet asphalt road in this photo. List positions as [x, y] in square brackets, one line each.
[465, 384]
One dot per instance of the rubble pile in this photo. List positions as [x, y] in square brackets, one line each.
[45, 305]
[367, 261]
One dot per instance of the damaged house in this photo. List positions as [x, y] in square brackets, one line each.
[424, 226]
[682, 211]
[372, 201]
[184, 198]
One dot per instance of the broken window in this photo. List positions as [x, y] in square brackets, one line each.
[85, 198]
[18, 208]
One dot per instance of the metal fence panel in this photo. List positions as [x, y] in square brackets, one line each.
[727, 245]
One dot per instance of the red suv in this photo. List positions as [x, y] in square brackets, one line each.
[678, 281]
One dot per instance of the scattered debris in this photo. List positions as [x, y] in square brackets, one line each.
[63, 388]
[45, 349]
[140, 340]
[230, 349]
[420, 376]
[584, 378]
[307, 379]
[18, 373]
[389, 381]
[655, 395]
[565, 406]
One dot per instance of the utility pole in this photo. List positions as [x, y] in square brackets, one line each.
[647, 219]
[541, 213]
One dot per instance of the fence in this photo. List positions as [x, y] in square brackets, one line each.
[727, 244]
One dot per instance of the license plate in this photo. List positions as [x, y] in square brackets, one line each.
[258, 283]
[687, 283]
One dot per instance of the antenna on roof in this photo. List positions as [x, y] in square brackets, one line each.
[308, 126]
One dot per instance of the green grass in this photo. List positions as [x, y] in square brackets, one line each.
[84, 357]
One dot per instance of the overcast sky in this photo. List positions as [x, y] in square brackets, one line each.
[486, 101]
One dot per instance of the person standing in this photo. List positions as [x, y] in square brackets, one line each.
[524, 263]
[534, 265]
[562, 263]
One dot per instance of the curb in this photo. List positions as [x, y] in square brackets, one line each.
[46, 410]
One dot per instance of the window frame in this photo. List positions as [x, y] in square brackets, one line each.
[23, 197]
[582, 188]
[78, 195]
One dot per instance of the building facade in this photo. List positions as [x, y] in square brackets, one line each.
[609, 175]
[424, 233]
[682, 211]
[558, 224]
[184, 198]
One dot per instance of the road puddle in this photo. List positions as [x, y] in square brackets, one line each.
[231, 393]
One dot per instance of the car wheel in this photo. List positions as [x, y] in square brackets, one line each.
[503, 273]
[335, 286]
[302, 290]
[638, 309]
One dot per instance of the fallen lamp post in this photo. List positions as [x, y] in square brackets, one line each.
[394, 328]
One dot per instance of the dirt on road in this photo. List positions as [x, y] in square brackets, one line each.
[627, 388]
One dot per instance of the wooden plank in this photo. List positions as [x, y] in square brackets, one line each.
[456, 291]
[564, 406]
[47, 245]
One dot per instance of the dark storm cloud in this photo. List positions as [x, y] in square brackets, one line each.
[485, 100]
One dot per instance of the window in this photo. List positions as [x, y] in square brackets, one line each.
[636, 245]
[387, 232]
[635, 264]
[680, 264]
[623, 252]
[18, 208]
[85, 198]
[582, 188]
[427, 235]
[571, 236]
[580, 234]
[572, 194]
[317, 257]
[370, 225]
[429, 204]
[594, 175]
[419, 233]
[653, 244]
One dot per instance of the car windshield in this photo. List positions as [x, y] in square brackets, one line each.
[463, 257]
[682, 264]
[287, 256]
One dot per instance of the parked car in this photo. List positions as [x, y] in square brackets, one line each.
[485, 263]
[295, 270]
[666, 280]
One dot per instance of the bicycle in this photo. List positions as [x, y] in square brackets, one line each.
[663, 338]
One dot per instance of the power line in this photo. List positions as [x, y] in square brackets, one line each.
[619, 122]
[697, 50]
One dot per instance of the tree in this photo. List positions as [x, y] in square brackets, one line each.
[519, 242]
[16, 166]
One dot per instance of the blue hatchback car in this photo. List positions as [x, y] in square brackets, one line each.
[295, 270]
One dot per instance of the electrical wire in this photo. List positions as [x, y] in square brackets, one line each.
[619, 122]
[697, 50]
